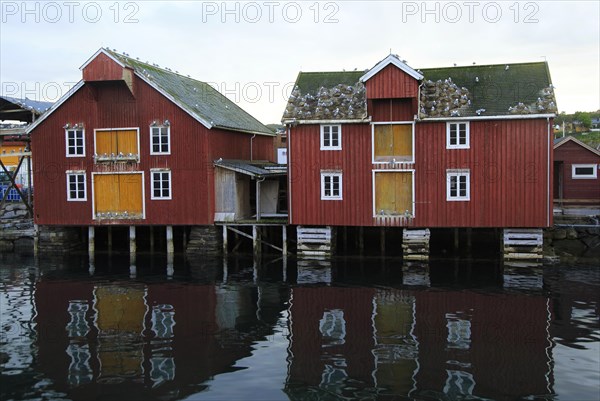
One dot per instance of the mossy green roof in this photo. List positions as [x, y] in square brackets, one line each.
[477, 90]
[311, 82]
[196, 97]
[496, 88]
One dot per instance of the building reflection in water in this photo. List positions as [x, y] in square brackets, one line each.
[168, 339]
[356, 342]
[133, 340]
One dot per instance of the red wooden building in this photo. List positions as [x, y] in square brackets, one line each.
[445, 147]
[134, 144]
[576, 178]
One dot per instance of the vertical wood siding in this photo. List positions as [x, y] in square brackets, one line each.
[102, 68]
[571, 153]
[508, 163]
[509, 176]
[111, 105]
[306, 163]
[392, 109]
[391, 82]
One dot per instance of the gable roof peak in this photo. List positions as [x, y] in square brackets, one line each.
[394, 60]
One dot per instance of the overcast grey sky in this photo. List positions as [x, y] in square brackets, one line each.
[253, 51]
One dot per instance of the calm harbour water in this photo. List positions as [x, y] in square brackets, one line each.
[349, 329]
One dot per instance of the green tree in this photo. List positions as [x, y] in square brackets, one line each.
[584, 118]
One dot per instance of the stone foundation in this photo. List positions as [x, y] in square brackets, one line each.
[205, 240]
[16, 229]
[59, 239]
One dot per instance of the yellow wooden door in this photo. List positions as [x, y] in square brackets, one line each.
[130, 194]
[106, 142]
[402, 140]
[403, 185]
[127, 142]
[393, 192]
[118, 193]
[384, 142]
[106, 193]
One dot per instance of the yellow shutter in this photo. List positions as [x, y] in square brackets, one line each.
[402, 140]
[106, 142]
[106, 193]
[393, 192]
[384, 141]
[130, 193]
[403, 184]
[118, 193]
[127, 142]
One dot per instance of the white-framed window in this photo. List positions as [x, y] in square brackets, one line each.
[76, 186]
[458, 185]
[75, 142]
[331, 185]
[161, 184]
[331, 137]
[160, 140]
[584, 171]
[457, 135]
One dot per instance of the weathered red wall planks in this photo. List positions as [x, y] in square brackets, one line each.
[392, 82]
[102, 68]
[111, 105]
[306, 162]
[570, 153]
[509, 163]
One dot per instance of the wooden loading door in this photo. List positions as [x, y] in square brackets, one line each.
[118, 193]
[393, 193]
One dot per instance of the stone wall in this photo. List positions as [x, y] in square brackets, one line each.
[16, 229]
[579, 237]
[205, 240]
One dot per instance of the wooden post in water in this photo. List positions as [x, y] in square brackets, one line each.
[284, 240]
[91, 247]
[36, 239]
[225, 239]
[170, 245]
[132, 247]
[256, 240]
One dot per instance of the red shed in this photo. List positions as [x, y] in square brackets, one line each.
[576, 178]
[446, 147]
[134, 144]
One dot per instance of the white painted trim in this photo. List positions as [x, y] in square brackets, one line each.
[161, 170]
[55, 106]
[458, 173]
[411, 160]
[67, 141]
[321, 137]
[501, 117]
[593, 166]
[168, 127]
[101, 50]
[70, 173]
[289, 155]
[355, 121]
[374, 171]
[332, 173]
[137, 129]
[468, 134]
[119, 172]
[391, 59]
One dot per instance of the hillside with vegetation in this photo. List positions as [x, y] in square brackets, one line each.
[583, 125]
